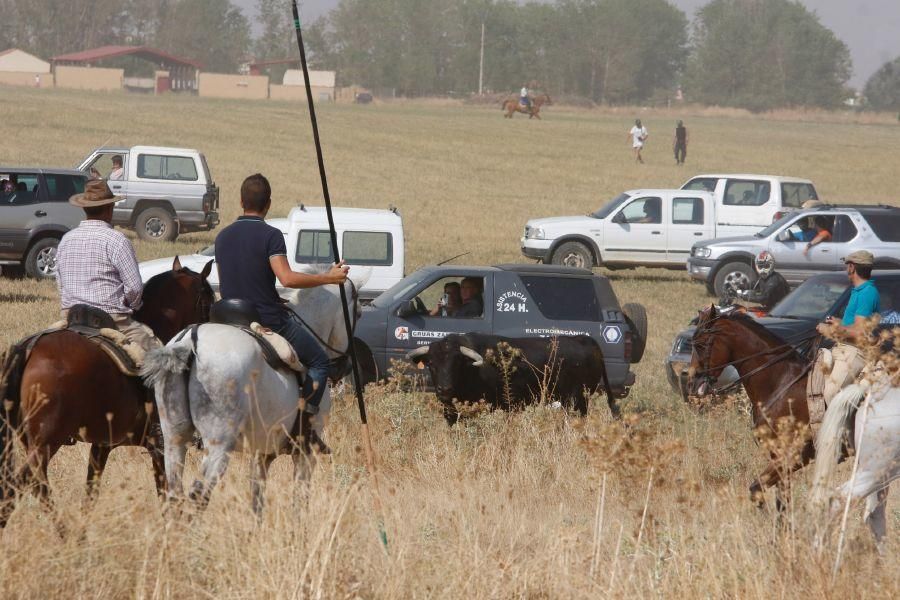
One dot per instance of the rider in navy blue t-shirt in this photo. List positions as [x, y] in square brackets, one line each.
[250, 255]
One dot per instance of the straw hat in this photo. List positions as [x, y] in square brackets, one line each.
[96, 193]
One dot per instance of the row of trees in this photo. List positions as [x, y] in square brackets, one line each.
[749, 53]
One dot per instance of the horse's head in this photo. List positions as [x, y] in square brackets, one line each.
[546, 100]
[711, 352]
[175, 299]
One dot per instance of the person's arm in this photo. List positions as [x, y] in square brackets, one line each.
[294, 280]
[818, 239]
[127, 265]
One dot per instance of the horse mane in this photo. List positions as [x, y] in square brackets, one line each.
[756, 327]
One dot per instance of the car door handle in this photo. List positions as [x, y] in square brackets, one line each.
[656, 232]
[117, 187]
[40, 213]
[698, 233]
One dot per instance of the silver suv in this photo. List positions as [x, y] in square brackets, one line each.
[34, 214]
[728, 262]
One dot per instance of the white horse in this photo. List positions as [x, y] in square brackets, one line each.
[222, 388]
[876, 437]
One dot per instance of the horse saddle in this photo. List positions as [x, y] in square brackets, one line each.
[98, 327]
[277, 351]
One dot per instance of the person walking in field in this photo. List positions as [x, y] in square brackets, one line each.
[638, 135]
[680, 142]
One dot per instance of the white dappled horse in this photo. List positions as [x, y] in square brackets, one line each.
[226, 391]
[876, 436]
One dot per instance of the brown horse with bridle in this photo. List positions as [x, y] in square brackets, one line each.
[68, 388]
[774, 375]
[512, 105]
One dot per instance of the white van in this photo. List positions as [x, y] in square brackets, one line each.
[369, 238]
[747, 203]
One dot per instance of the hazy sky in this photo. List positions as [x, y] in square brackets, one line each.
[870, 28]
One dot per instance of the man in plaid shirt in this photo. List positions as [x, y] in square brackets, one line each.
[96, 265]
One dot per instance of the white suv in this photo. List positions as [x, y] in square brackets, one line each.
[166, 191]
[370, 239]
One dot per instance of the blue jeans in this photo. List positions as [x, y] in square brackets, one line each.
[312, 355]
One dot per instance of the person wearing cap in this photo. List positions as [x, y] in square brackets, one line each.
[97, 266]
[251, 255]
[770, 288]
[863, 304]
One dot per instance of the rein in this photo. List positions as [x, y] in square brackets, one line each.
[740, 380]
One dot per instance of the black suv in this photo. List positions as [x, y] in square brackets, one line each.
[34, 214]
[518, 301]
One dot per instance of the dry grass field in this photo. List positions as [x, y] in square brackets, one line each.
[505, 506]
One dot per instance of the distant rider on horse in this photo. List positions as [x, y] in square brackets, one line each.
[770, 288]
[524, 97]
[97, 266]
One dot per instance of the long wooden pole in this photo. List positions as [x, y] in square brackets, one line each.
[357, 382]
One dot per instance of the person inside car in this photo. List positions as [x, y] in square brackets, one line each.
[450, 302]
[470, 293]
[117, 173]
[652, 212]
[823, 232]
[770, 288]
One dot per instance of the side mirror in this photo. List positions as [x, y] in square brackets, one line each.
[784, 236]
[407, 309]
[619, 218]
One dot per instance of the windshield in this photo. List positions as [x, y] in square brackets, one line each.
[399, 290]
[776, 225]
[610, 206]
[814, 299]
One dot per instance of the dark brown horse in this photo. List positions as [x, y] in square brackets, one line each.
[70, 389]
[773, 374]
[512, 105]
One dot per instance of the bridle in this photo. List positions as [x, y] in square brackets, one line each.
[784, 351]
[354, 295]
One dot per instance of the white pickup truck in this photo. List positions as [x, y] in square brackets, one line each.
[658, 227]
[165, 191]
[371, 241]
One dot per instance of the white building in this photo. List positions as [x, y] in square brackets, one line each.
[322, 82]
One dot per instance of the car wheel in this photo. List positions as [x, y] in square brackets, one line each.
[40, 262]
[636, 316]
[736, 275]
[573, 254]
[156, 224]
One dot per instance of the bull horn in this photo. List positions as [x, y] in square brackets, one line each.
[413, 355]
[477, 359]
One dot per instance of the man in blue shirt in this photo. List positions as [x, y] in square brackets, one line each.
[863, 304]
[250, 254]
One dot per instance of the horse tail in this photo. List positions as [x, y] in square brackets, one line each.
[13, 367]
[829, 441]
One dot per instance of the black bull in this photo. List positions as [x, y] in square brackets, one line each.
[568, 368]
